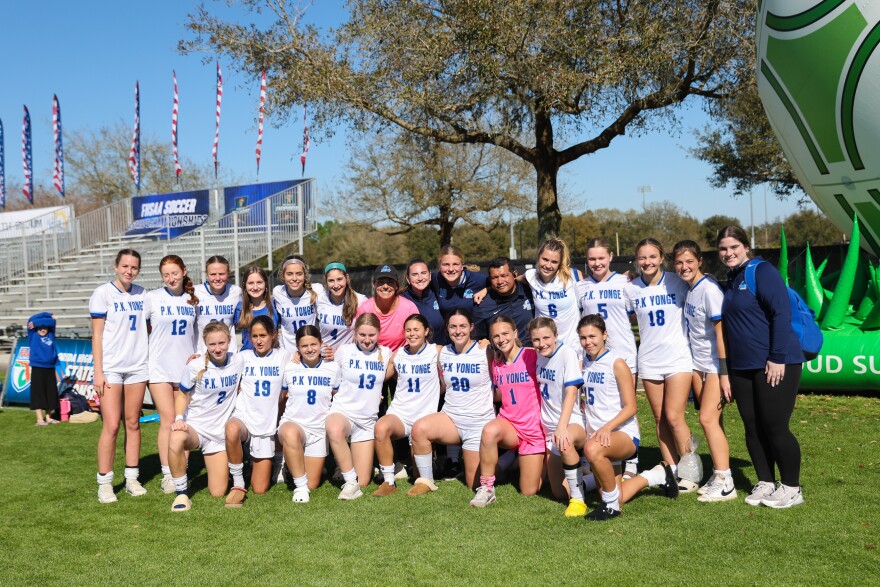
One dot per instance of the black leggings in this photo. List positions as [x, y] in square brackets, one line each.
[765, 413]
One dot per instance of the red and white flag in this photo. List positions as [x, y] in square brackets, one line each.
[217, 129]
[134, 155]
[260, 124]
[27, 158]
[174, 130]
[305, 150]
[58, 171]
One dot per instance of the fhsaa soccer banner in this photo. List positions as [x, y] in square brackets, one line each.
[75, 363]
[241, 196]
[169, 215]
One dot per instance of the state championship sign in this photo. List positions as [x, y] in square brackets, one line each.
[75, 363]
[169, 215]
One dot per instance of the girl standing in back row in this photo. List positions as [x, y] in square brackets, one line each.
[295, 300]
[217, 300]
[337, 306]
[170, 313]
[657, 299]
[553, 285]
[119, 347]
[255, 301]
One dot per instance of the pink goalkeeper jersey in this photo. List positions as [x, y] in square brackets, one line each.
[520, 396]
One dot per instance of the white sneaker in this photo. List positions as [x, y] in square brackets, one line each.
[761, 490]
[134, 488]
[167, 485]
[631, 469]
[720, 488]
[105, 493]
[302, 495]
[401, 474]
[350, 491]
[712, 478]
[182, 503]
[485, 496]
[784, 497]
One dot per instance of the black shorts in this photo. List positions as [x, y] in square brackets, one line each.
[44, 389]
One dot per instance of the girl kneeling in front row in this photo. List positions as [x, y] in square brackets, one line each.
[612, 430]
[310, 386]
[203, 407]
[256, 410]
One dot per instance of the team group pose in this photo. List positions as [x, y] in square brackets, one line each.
[307, 377]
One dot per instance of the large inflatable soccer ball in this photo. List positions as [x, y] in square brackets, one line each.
[819, 79]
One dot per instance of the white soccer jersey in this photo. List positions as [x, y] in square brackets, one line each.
[606, 299]
[418, 384]
[360, 384]
[262, 380]
[468, 380]
[702, 308]
[294, 312]
[664, 347]
[214, 308]
[556, 372]
[334, 331]
[309, 393]
[125, 347]
[173, 333]
[211, 396]
[603, 401]
[560, 303]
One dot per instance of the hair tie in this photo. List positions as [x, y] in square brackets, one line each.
[335, 265]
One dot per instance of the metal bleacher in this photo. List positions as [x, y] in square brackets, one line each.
[57, 269]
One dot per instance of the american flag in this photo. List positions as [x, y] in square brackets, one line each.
[134, 156]
[305, 152]
[260, 125]
[217, 130]
[2, 170]
[58, 171]
[174, 130]
[27, 157]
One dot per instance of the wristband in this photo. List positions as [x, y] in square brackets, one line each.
[178, 417]
[722, 366]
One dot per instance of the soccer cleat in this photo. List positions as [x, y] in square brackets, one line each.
[105, 493]
[236, 497]
[350, 491]
[784, 497]
[576, 509]
[182, 503]
[451, 470]
[421, 487]
[721, 490]
[712, 478]
[167, 485]
[602, 514]
[134, 488]
[301, 495]
[485, 496]
[385, 489]
[761, 490]
[670, 486]
[686, 486]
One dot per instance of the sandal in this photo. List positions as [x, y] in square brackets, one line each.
[236, 497]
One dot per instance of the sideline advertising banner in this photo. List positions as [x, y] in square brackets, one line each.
[241, 196]
[74, 361]
[169, 215]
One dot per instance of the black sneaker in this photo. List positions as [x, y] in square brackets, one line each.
[670, 487]
[451, 470]
[602, 514]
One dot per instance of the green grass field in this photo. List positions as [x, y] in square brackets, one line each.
[53, 531]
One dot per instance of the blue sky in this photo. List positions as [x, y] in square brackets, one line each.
[91, 54]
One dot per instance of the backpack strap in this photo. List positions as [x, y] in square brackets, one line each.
[751, 285]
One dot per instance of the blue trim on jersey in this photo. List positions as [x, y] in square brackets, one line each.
[406, 349]
[363, 351]
[718, 317]
[630, 312]
[602, 355]
[185, 389]
[320, 362]
[210, 293]
[662, 277]
[225, 362]
[607, 277]
[575, 382]
[113, 283]
[516, 358]
[553, 354]
[452, 348]
[104, 315]
[699, 281]
[256, 354]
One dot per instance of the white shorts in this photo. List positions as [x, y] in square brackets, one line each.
[316, 440]
[470, 437]
[124, 378]
[208, 445]
[262, 447]
[661, 376]
[361, 431]
[551, 446]
[708, 366]
[407, 425]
